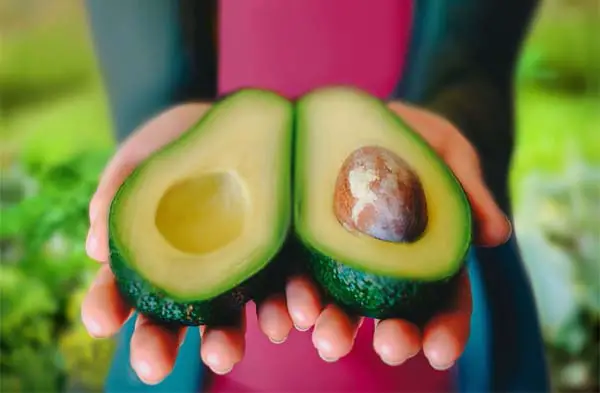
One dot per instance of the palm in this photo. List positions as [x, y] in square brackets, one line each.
[154, 348]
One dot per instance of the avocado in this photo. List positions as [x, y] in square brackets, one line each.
[194, 231]
[384, 222]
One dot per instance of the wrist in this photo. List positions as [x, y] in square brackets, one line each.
[483, 114]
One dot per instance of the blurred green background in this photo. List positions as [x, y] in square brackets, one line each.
[55, 137]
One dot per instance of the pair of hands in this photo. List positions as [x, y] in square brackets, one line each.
[154, 348]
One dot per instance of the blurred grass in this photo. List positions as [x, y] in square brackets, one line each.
[558, 90]
[55, 136]
[552, 127]
[30, 74]
[57, 130]
[52, 104]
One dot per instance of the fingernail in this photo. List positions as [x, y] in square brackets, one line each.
[300, 321]
[302, 329]
[144, 372]
[327, 359]
[91, 244]
[510, 229]
[392, 363]
[439, 348]
[93, 328]
[222, 372]
[280, 341]
[443, 367]
[323, 346]
[213, 361]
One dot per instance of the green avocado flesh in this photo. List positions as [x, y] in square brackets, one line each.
[193, 231]
[371, 277]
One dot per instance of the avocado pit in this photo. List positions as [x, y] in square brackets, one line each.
[379, 195]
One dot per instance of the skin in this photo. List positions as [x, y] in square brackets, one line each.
[154, 348]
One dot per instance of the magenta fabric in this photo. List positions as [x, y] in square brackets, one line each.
[295, 366]
[293, 46]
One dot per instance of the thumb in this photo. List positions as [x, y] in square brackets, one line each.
[492, 226]
[152, 136]
[97, 239]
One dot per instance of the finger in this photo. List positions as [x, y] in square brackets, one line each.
[446, 335]
[103, 310]
[148, 138]
[154, 349]
[223, 347]
[432, 127]
[493, 227]
[274, 319]
[396, 341]
[303, 302]
[334, 333]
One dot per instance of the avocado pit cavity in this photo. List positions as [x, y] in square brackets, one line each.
[378, 194]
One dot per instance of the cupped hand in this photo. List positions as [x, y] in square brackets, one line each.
[154, 347]
[444, 337]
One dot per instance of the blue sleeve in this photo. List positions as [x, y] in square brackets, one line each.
[460, 65]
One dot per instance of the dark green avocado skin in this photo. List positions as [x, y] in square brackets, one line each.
[380, 297]
[223, 310]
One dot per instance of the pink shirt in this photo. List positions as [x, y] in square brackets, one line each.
[292, 46]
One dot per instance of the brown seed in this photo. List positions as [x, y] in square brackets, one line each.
[378, 194]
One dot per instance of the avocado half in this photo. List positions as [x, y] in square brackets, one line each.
[194, 230]
[363, 274]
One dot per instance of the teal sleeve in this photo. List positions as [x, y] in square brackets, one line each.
[152, 55]
[188, 375]
[505, 351]
[461, 66]
[145, 69]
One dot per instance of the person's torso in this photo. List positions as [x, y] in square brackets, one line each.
[293, 47]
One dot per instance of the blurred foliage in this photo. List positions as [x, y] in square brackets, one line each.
[43, 273]
[26, 330]
[558, 231]
[55, 134]
[51, 100]
[558, 89]
[556, 184]
[86, 360]
[66, 67]
[44, 53]
[563, 53]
